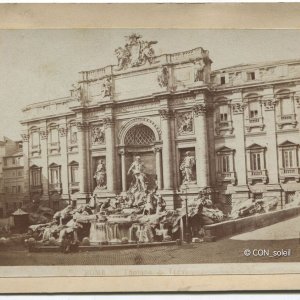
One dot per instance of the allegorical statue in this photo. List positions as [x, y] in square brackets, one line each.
[100, 174]
[106, 89]
[137, 170]
[186, 167]
[198, 70]
[76, 91]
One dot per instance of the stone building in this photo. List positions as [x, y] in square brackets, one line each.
[11, 176]
[235, 130]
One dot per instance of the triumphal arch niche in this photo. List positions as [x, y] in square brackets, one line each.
[140, 141]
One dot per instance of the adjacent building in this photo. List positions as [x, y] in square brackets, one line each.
[11, 176]
[235, 129]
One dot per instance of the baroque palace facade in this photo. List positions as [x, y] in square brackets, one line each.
[235, 130]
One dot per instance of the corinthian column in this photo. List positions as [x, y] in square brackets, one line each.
[201, 149]
[110, 154]
[167, 153]
[123, 170]
[64, 156]
[158, 166]
[82, 129]
[44, 163]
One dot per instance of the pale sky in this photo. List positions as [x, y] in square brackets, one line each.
[37, 65]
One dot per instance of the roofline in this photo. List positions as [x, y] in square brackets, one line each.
[255, 65]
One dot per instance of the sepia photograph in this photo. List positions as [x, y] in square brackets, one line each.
[149, 151]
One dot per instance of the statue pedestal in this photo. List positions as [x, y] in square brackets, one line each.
[103, 194]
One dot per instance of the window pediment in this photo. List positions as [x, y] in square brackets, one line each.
[288, 144]
[224, 149]
[255, 147]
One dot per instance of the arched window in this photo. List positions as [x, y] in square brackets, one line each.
[139, 135]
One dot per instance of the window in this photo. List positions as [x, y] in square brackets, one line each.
[5, 162]
[6, 189]
[224, 164]
[73, 134]
[74, 174]
[253, 109]
[19, 189]
[35, 138]
[255, 161]
[288, 158]
[223, 80]
[36, 176]
[54, 175]
[54, 135]
[13, 189]
[287, 106]
[223, 110]
[19, 173]
[251, 76]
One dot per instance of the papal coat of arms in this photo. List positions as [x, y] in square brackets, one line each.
[136, 52]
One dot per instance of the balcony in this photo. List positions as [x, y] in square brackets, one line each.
[35, 149]
[54, 148]
[286, 120]
[55, 188]
[289, 173]
[257, 175]
[226, 177]
[256, 122]
[74, 186]
[224, 126]
[36, 189]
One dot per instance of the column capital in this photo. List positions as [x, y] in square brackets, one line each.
[108, 122]
[43, 133]
[122, 151]
[200, 109]
[269, 104]
[237, 108]
[25, 137]
[166, 113]
[82, 125]
[62, 130]
[157, 149]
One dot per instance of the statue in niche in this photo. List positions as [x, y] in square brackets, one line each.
[98, 135]
[163, 77]
[135, 53]
[100, 174]
[198, 69]
[76, 91]
[106, 89]
[185, 123]
[137, 170]
[186, 167]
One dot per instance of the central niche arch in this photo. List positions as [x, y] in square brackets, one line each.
[138, 132]
[139, 135]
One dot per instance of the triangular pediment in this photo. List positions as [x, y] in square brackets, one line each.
[287, 144]
[224, 149]
[53, 165]
[34, 167]
[254, 146]
[73, 163]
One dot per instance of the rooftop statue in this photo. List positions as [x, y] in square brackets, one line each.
[136, 52]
